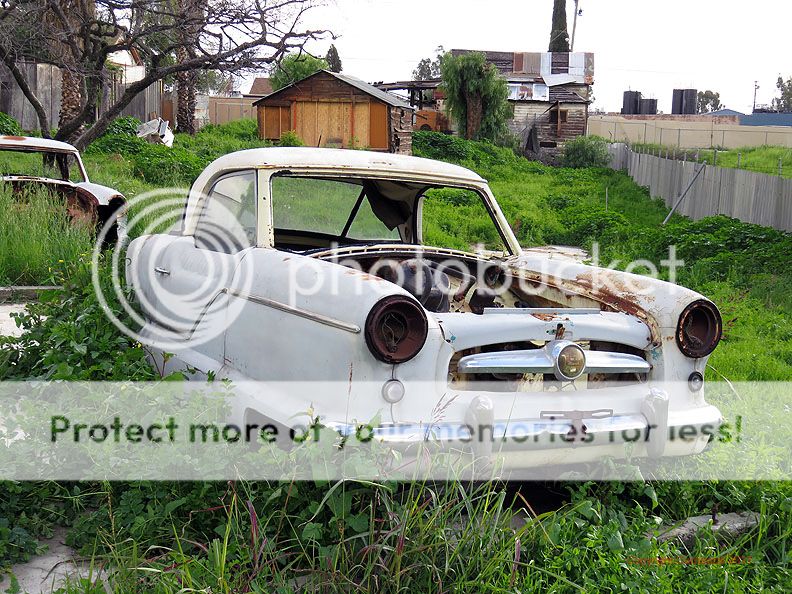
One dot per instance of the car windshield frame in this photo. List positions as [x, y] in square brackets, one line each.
[510, 247]
[57, 155]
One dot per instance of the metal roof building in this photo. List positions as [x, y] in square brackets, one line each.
[328, 109]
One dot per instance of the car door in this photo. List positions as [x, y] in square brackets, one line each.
[193, 272]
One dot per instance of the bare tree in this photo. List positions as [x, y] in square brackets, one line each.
[231, 36]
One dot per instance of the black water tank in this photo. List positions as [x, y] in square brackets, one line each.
[689, 101]
[631, 103]
[684, 101]
[676, 102]
[648, 106]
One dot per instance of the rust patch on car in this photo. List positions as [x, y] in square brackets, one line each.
[622, 301]
[546, 317]
[13, 138]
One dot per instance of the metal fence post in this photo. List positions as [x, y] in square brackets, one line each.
[715, 157]
[683, 194]
[780, 167]
[739, 159]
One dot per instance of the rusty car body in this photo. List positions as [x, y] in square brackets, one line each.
[309, 266]
[60, 170]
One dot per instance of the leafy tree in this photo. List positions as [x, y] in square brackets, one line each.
[229, 36]
[784, 101]
[559, 37]
[295, 67]
[333, 59]
[476, 96]
[708, 101]
[428, 67]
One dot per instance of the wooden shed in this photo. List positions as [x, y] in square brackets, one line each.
[328, 109]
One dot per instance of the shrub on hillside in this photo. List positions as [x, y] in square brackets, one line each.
[245, 129]
[9, 126]
[586, 151]
[434, 145]
[158, 164]
[124, 125]
[120, 144]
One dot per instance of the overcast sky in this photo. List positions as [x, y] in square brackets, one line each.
[648, 46]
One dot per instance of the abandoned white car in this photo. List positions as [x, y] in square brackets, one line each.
[317, 267]
[40, 163]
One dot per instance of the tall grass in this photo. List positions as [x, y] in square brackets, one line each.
[37, 237]
[762, 159]
[362, 537]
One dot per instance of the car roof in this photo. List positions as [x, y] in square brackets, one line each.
[324, 158]
[30, 143]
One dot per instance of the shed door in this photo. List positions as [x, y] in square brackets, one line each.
[378, 126]
[277, 120]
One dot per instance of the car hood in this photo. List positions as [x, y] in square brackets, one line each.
[655, 301]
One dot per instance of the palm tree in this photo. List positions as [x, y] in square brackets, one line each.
[192, 12]
[71, 78]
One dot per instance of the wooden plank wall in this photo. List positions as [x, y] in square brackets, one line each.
[529, 113]
[325, 111]
[401, 125]
[45, 80]
[746, 195]
[228, 109]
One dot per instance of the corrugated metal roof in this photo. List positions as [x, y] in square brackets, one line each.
[371, 90]
[724, 112]
[766, 119]
[355, 82]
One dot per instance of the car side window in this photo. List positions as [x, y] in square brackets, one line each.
[228, 220]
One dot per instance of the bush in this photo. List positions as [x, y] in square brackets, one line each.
[586, 151]
[124, 125]
[245, 129]
[120, 144]
[434, 145]
[158, 164]
[9, 126]
[290, 138]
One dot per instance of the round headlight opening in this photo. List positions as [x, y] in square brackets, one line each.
[699, 329]
[396, 329]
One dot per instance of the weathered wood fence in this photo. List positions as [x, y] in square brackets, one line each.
[210, 109]
[746, 195]
[45, 80]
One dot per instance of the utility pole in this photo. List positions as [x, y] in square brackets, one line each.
[574, 26]
[756, 88]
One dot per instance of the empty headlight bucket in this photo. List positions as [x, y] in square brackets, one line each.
[396, 329]
[699, 329]
[570, 360]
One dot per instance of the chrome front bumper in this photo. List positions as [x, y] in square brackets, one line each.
[654, 427]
